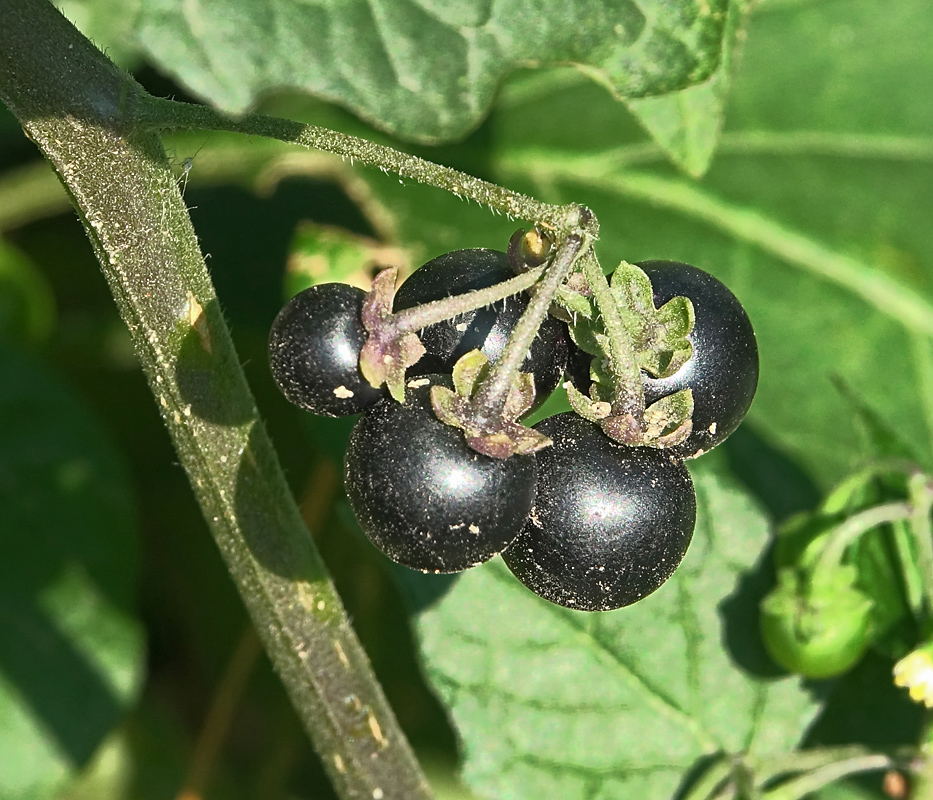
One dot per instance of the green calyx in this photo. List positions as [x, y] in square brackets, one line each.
[658, 335]
[665, 423]
[497, 436]
[835, 595]
[657, 340]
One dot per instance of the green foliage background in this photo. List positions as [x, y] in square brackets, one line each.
[117, 620]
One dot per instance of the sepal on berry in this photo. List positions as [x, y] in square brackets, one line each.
[387, 353]
[666, 423]
[588, 408]
[500, 437]
[659, 335]
[669, 421]
[573, 300]
[469, 370]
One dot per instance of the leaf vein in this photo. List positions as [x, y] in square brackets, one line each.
[652, 695]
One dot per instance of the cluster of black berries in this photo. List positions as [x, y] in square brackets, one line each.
[586, 522]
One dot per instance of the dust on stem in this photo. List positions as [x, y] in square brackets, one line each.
[486, 406]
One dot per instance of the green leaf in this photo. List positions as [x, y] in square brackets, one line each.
[109, 24]
[686, 124]
[550, 702]
[880, 440]
[323, 254]
[426, 71]
[71, 652]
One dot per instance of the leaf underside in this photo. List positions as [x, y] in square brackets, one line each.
[426, 70]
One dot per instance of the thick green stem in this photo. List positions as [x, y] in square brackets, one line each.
[70, 100]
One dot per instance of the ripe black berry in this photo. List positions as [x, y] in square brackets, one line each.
[422, 496]
[486, 329]
[609, 523]
[314, 351]
[723, 370]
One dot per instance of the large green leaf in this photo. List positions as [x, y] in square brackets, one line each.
[109, 24]
[550, 702]
[71, 653]
[815, 212]
[426, 69]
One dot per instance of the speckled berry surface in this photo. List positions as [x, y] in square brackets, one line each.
[609, 524]
[485, 329]
[314, 351]
[723, 370]
[426, 499]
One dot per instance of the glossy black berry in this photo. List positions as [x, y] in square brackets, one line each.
[609, 523]
[422, 496]
[723, 370]
[314, 351]
[486, 329]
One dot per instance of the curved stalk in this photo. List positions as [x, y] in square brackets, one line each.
[492, 394]
[162, 114]
[629, 392]
[855, 526]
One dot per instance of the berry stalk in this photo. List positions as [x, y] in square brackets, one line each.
[492, 394]
[162, 114]
[414, 319]
[628, 390]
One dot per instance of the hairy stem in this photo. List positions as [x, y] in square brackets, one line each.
[418, 317]
[162, 114]
[71, 100]
[494, 391]
[629, 393]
